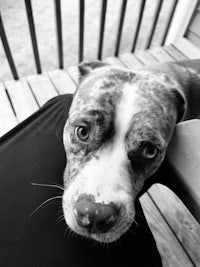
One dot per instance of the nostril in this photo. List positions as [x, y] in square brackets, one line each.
[95, 217]
[84, 212]
[104, 223]
[83, 219]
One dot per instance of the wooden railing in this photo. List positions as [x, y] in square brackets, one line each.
[58, 15]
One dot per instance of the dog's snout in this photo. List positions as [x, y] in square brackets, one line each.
[95, 217]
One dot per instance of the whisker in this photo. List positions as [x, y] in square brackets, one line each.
[119, 241]
[136, 223]
[129, 230]
[49, 185]
[60, 218]
[67, 231]
[139, 215]
[41, 205]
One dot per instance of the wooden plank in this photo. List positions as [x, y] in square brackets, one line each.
[130, 61]
[42, 88]
[22, 98]
[175, 53]
[195, 39]
[114, 61]
[180, 220]
[180, 21]
[195, 24]
[160, 54]
[74, 73]
[145, 58]
[62, 82]
[187, 48]
[8, 119]
[169, 248]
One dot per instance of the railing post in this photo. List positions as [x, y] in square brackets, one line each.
[169, 22]
[7, 50]
[101, 37]
[59, 33]
[81, 28]
[158, 9]
[138, 25]
[29, 13]
[121, 22]
[178, 23]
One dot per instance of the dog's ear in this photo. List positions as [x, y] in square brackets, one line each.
[180, 103]
[86, 67]
[177, 94]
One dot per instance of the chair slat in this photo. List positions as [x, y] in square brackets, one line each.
[175, 53]
[22, 98]
[169, 247]
[121, 22]
[160, 54]
[187, 48]
[59, 33]
[101, 36]
[7, 116]
[146, 58]
[62, 81]
[114, 61]
[178, 217]
[74, 73]
[42, 88]
[31, 24]
[131, 62]
[81, 28]
[7, 50]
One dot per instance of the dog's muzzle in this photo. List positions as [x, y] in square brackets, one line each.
[95, 217]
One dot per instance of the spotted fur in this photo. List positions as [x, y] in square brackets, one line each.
[124, 111]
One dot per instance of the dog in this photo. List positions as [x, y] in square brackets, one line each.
[119, 126]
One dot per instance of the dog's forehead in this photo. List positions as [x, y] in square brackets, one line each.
[122, 94]
[104, 80]
[101, 90]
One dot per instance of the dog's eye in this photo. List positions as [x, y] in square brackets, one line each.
[82, 133]
[149, 151]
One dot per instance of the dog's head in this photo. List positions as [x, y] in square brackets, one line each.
[119, 125]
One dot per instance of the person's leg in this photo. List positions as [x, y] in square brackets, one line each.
[33, 153]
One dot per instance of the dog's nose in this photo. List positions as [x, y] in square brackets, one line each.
[95, 217]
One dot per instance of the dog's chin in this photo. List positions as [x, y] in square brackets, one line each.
[111, 237]
[108, 237]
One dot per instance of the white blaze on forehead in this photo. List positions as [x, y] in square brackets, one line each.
[107, 178]
[127, 107]
[101, 177]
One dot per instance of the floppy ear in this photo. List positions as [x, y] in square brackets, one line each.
[178, 95]
[86, 67]
[181, 104]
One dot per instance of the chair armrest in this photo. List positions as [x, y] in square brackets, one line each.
[183, 156]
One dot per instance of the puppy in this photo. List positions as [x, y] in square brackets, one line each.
[119, 126]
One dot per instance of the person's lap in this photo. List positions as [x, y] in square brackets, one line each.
[33, 152]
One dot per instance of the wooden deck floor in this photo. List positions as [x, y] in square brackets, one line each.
[176, 232]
